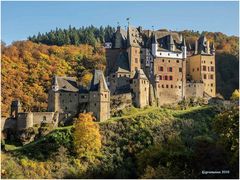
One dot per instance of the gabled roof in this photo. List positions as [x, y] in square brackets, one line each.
[139, 74]
[98, 78]
[66, 84]
[134, 38]
[123, 33]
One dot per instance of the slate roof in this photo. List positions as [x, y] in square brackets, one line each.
[66, 84]
[134, 37]
[123, 33]
[164, 38]
[122, 63]
[139, 74]
[123, 89]
[97, 77]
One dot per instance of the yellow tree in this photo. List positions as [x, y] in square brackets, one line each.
[235, 95]
[87, 138]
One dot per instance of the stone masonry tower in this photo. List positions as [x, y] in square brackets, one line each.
[140, 88]
[99, 97]
[201, 66]
[16, 107]
[133, 50]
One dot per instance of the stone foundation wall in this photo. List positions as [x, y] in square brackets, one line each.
[194, 89]
[8, 123]
[121, 101]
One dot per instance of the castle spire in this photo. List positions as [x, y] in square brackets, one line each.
[183, 41]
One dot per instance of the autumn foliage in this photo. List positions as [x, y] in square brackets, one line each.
[27, 70]
[86, 137]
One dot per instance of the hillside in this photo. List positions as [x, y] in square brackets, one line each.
[27, 70]
[152, 143]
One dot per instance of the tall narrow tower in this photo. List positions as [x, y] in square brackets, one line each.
[99, 97]
[201, 66]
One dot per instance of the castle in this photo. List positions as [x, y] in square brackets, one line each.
[144, 67]
[170, 72]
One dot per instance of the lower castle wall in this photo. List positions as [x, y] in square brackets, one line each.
[194, 89]
[29, 119]
[40, 117]
[24, 120]
[8, 123]
[121, 101]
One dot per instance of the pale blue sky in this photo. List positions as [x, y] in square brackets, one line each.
[23, 19]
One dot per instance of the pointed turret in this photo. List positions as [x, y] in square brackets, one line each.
[189, 47]
[196, 47]
[212, 49]
[55, 86]
[171, 43]
[183, 42]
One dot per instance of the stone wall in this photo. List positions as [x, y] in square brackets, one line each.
[44, 117]
[63, 102]
[194, 89]
[121, 101]
[29, 119]
[8, 123]
[24, 120]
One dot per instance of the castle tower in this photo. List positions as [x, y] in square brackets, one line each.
[133, 37]
[16, 107]
[140, 89]
[201, 66]
[53, 96]
[99, 97]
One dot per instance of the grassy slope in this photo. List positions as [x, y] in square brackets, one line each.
[129, 114]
